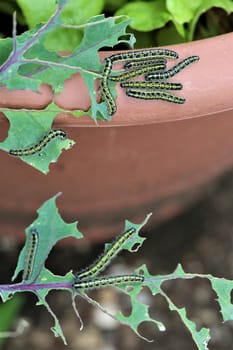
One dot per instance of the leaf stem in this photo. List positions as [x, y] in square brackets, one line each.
[60, 65]
[13, 57]
[20, 287]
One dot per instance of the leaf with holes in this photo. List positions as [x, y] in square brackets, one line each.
[28, 129]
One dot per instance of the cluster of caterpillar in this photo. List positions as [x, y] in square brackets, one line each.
[86, 279]
[151, 63]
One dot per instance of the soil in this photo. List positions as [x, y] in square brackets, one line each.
[200, 239]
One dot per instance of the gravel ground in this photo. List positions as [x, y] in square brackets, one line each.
[200, 239]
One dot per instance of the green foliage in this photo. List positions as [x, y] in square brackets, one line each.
[146, 16]
[113, 5]
[75, 13]
[26, 128]
[8, 7]
[184, 15]
[223, 289]
[189, 12]
[51, 228]
[31, 64]
[37, 11]
[8, 312]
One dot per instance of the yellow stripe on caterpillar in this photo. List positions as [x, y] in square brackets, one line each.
[145, 62]
[105, 92]
[152, 85]
[108, 281]
[30, 254]
[153, 95]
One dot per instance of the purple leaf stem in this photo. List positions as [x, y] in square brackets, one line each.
[15, 54]
[69, 285]
[19, 287]
[14, 32]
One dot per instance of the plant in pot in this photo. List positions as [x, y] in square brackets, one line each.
[126, 171]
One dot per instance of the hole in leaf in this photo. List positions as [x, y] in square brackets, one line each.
[4, 129]
[147, 329]
[135, 247]
[125, 305]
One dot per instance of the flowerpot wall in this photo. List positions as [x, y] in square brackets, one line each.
[153, 157]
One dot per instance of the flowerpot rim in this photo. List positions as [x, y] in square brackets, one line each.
[207, 88]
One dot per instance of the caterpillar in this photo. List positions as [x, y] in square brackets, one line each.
[153, 95]
[104, 88]
[40, 145]
[143, 54]
[108, 281]
[30, 253]
[171, 72]
[106, 257]
[151, 85]
[136, 72]
[145, 62]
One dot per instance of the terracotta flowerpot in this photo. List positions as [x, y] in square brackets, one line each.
[154, 155]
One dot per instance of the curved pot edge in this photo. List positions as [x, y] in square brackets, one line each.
[202, 82]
